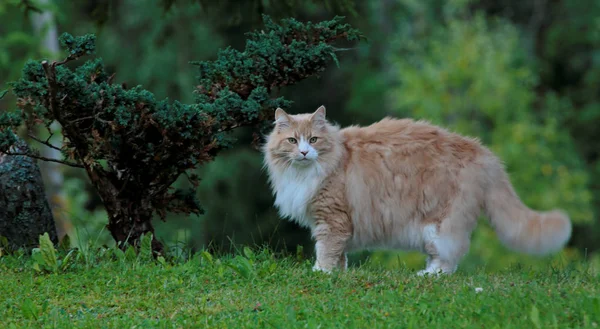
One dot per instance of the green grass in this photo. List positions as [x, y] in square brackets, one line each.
[111, 289]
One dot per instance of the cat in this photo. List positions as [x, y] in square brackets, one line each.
[397, 184]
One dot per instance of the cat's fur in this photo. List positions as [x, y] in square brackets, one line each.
[398, 184]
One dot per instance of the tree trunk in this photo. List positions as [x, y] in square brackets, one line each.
[127, 224]
[129, 214]
[24, 210]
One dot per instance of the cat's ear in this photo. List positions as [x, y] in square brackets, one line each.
[282, 119]
[319, 114]
[318, 118]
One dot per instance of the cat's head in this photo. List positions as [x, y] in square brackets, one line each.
[301, 139]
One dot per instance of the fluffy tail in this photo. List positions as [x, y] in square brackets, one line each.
[520, 228]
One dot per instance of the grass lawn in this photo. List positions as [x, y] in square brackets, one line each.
[121, 290]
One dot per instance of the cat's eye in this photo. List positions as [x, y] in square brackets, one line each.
[313, 140]
[292, 140]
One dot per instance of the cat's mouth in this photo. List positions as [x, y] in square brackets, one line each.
[303, 160]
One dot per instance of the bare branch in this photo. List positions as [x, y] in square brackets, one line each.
[81, 119]
[234, 126]
[71, 164]
[64, 61]
[47, 143]
[50, 72]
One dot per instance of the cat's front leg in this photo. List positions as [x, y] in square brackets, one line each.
[330, 248]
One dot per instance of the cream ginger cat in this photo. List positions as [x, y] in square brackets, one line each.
[397, 184]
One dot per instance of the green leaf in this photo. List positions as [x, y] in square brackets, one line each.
[28, 309]
[4, 243]
[299, 252]
[3, 93]
[119, 254]
[248, 253]
[335, 59]
[65, 243]
[596, 305]
[66, 260]
[272, 267]
[146, 246]
[48, 252]
[535, 317]
[130, 253]
[241, 266]
[291, 315]
[207, 257]
[38, 260]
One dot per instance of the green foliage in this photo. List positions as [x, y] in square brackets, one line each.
[472, 78]
[280, 55]
[254, 289]
[48, 252]
[78, 46]
[45, 259]
[18, 42]
[146, 247]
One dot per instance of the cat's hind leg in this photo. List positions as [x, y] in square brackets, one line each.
[434, 264]
[444, 248]
[447, 241]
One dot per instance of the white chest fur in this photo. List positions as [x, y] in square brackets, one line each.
[294, 188]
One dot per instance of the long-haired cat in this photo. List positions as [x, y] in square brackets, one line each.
[397, 184]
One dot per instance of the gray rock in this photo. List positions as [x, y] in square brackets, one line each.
[24, 210]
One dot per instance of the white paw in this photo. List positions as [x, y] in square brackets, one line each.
[317, 268]
[430, 271]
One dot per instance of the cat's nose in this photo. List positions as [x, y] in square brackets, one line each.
[304, 152]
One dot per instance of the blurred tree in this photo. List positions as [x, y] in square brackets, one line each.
[28, 30]
[250, 11]
[133, 147]
[165, 43]
[564, 37]
[18, 42]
